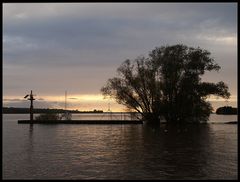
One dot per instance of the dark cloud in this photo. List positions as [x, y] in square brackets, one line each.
[54, 40]
[65, 48]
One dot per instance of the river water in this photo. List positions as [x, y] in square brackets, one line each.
[205, 151]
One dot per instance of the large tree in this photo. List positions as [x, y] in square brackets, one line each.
[167, 83]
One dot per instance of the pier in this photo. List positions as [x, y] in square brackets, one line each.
[81, 122]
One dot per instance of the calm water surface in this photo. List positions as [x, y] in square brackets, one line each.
[206, 151]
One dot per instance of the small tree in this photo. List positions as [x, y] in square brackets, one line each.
[167, 83]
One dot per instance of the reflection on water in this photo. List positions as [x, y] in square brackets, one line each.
[214, 118]
[206, 151]
[106, 116]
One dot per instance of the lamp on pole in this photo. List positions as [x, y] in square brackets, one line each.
[31, 105]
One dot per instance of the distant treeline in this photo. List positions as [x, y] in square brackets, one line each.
[227, 110]
[13, 110]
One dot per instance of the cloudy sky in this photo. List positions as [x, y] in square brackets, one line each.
[53, 47]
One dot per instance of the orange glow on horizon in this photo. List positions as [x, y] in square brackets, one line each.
[89, 102]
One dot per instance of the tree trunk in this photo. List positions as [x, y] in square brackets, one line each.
[152, 118]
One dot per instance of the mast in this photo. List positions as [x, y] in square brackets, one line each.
[65, 101]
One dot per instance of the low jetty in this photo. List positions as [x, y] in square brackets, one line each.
[231, 122]
[81, 122]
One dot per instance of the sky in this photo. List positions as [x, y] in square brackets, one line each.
[51, 48]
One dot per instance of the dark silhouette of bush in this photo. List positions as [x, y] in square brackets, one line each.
[226, 110]
[48, 116]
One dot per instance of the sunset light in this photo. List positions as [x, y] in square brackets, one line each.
[120, 91]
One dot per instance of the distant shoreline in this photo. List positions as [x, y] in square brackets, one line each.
[14, 110]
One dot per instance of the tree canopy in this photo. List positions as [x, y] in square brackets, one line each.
[167, 83]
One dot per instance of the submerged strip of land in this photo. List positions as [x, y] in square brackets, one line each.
[231, 122]
[80, 122]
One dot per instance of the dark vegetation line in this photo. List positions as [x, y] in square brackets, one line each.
[226, 110]
[13, 110]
